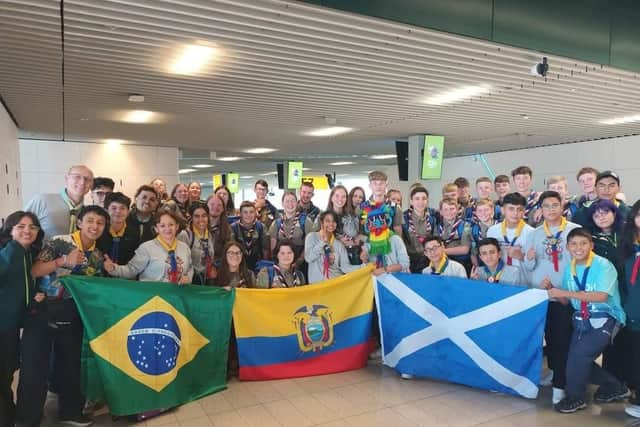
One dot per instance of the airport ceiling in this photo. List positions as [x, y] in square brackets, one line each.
[280, 69]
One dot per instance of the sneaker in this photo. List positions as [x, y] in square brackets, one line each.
[406, 376]
[79, 421]
[569, 406]
[90, 406]
[546, 380]
[601, 396]
[558, 395]
[633, 411]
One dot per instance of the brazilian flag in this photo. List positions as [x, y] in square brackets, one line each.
[151, 345]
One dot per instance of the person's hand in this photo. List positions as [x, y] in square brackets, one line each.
[108, 264]
[555, 293]
[184, 280]
[378, 271]
[546, 283]
[346, 240]
[39, 297]
[537, 215]
[531, 254]
[75, 257]
[475, 274]
[259, 203]
[364, 257]
[515, 252]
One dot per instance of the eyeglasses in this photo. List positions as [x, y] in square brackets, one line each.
[23, 227]
[602, 213]
[551, 206]
[234, 253]
[432, 248]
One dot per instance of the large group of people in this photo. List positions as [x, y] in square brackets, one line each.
[584, 249]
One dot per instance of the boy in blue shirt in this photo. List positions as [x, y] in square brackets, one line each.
[591, 285]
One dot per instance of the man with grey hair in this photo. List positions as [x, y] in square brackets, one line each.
[58, 212]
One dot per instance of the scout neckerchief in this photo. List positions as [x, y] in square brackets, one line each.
[204, 244]
[494, 277]
[636, 263]
[116, 236]
[518, 231]
[327, 257]
[377, 218]
[173, 262]
[249, 236]
[282, 231]
[582, 284]
[442, 266]
[532, 201]
[75, 236]
[412, 225]
[74, 208]
[554, 241]
[453, 233]
[277, 271]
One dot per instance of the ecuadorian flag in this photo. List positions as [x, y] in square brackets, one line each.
[311, 330]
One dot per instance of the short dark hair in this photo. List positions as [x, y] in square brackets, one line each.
[461, 181]
[147, 188]
[281, 243]
[102, 181]
[98, 210]
[579, 232]
[162, 212]
[12, 220]
[549, 194]
[324, 214]
[117, 197]
[246, 204]
[522, 170]
[417, 190]
[261, 182]
[433, 238]
[500, 179]
[514, 199]
[585, 170]
[487, 241]
[198, 205]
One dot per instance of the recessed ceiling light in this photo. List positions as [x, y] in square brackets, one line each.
[341, 163]
[181, 171]
[192, 59]
[524, 116]
[229, 159]
[329, 131]
[269, 174]
[306, 169]
[621, 120]
[246, 176]
[383, 156]
[260, 150]
[202, 166]
[138, 116]
[458, 94]
[113, 141]
[83, 119]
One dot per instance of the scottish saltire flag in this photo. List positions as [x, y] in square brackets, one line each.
[309, 330]
[151, 345]
[464, 331]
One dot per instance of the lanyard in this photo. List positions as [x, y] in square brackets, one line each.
[554, 240]
[519, 229]
[582, 284]
[327, 257]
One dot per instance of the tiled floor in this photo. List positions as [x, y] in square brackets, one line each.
[374, 396]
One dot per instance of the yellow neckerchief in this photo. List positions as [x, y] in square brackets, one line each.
[118, 234]
[200, 236]
[331, 239]
[78, 242]
[563, 225]
[441, 265]
[168, 248]
[519, 228]
[587, 265]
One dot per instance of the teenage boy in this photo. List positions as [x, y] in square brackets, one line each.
[586, 177]
[482, 220]
[455, 233]
[380, 218]
[252, 235]
[546, 261]
[119, 242]
[591, 285]
[265, 211]
[522, 178]
[74, 253]
[101, 187]
[607, 188]
[450, 191]
[502, 185]
[484, 187]
[419, 223]
[512, 233]
[465, 201]
[58, 212]
[494, 269]
[439, 263]
[559, 184]
[305, 205]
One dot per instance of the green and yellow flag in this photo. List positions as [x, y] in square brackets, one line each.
[151, 345]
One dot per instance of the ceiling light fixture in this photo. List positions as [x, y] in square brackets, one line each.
[524, 116]
[246, 176]
[459, 94]
[192, 59]
[383, 156]
[621, 120]
[269, 174]
[202, 166]
[139, 116]
[182, 171]
[260, 150]
[229, 159]
[329, 131]
[113, 142]
[341, 163]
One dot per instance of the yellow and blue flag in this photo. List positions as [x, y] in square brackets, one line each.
[309, 330]
[151, 345]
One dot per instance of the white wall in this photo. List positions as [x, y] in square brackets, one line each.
[618, 154]
[10, 192]
[44, 164]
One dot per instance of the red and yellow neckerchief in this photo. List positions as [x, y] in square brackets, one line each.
[582, 284]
